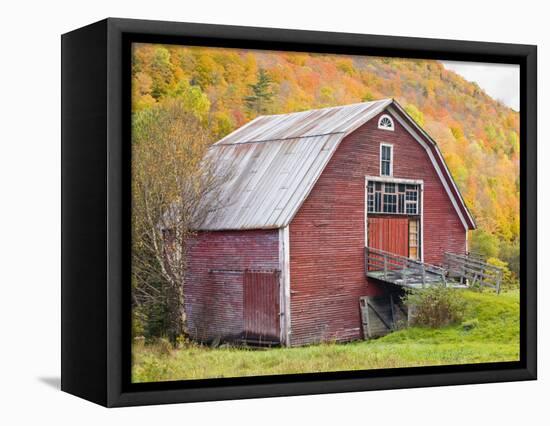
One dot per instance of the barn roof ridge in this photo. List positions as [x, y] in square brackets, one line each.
[327, 108]
[281, 139]
[300, 124]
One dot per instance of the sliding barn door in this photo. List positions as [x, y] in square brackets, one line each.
[261, 307]
[390, 234]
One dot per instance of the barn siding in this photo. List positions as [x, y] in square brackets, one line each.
[327, 236]
[214, 300]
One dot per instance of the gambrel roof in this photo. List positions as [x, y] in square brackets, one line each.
[276, 160]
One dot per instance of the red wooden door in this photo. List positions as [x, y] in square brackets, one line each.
[261, 307]
[390, 234]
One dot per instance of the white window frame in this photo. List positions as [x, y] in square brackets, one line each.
[391, 128]
[419, 182]
[391, 159]
[418, 248]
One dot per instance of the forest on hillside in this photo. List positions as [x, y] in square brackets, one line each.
[479, 136]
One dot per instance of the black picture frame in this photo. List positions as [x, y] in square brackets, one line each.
[96, 211]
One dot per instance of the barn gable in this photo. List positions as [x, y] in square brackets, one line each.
[275, 161]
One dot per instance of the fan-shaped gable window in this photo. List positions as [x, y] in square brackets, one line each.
[385, 122]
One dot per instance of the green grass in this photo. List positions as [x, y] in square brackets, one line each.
[490, 333]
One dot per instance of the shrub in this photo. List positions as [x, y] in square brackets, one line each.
[509, 279]
[137, 323]
[435, 306]
[163, 346]
[484, 243]
[139, 342]
[470, 324]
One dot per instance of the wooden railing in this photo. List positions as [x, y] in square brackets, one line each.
[473, 269]
[476, 256]
[393, 267]
[457, 270]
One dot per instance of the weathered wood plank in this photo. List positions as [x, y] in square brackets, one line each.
[474, 270]
[376, 314]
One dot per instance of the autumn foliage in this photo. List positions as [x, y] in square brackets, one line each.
[479, 137]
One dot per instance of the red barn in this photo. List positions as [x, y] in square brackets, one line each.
[284, 260]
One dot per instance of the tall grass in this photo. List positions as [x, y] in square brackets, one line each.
[489, 333]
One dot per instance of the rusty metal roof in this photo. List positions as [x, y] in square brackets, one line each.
[275, 161]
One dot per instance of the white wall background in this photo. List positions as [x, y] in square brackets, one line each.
[30, 211]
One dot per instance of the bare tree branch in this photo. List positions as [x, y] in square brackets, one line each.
[175, 187]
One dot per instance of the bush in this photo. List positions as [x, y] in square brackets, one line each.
[509, 279]
[484, 243]
[435, 306]
[470, 324]
[163, 346]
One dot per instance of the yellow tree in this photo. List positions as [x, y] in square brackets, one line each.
[175, 186]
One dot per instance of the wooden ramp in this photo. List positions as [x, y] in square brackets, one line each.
[402, 271]
[473, 270]
[458, 271]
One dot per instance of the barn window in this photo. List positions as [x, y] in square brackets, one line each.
[390, 203]
[411, 201]
[386, 160]
[413, 238]
[385, 122]
[389, 197]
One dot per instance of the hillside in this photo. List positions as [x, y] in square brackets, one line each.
[479, 137]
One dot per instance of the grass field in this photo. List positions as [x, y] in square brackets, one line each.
[490, 333]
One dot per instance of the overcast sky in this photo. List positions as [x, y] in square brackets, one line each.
[500, 81]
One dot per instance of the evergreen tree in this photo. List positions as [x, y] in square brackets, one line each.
[261, 93]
